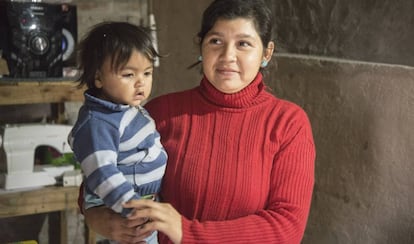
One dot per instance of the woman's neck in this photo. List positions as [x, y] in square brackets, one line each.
[241, 99]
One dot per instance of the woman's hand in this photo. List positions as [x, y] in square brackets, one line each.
[113, 226]
[162, 217]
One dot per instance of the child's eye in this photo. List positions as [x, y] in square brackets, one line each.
[148, 73]
[128, 75]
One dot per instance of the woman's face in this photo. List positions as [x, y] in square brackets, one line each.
[130, 85]
[232, 52]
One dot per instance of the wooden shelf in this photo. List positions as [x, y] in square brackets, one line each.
[35, 201]
[27, 92]
[54, 201]
[51, 200]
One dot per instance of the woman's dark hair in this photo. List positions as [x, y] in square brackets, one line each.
[114, 40]
[257, 10]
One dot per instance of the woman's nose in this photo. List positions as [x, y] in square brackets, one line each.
[229, 53]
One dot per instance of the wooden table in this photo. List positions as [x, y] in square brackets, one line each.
[51, 200]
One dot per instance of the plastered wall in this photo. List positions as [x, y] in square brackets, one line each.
[358, 90]
[362, 117]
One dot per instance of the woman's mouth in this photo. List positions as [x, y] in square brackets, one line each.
[226, 71]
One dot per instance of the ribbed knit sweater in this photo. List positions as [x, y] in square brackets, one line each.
[240, 166]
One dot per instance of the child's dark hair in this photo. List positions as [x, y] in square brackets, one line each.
[113, 40]
[257, 10]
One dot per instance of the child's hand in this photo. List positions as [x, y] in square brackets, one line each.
[112, 225]
[160, 216]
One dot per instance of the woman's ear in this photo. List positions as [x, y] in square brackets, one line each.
[267, 55]
[268, 52]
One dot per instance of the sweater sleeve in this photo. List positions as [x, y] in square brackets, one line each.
[95, 147]
[284, 218]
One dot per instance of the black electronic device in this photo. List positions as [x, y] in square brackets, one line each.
[31, 39]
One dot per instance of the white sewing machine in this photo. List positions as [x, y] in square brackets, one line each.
[17, 154]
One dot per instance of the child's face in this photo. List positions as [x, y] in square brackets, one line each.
[129, 85]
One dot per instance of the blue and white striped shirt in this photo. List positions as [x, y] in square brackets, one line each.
[119, 150]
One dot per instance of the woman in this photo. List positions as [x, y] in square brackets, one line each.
[241, 161]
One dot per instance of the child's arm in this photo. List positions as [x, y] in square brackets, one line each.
[96, 148]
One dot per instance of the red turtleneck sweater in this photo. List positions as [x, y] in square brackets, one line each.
[240, 167]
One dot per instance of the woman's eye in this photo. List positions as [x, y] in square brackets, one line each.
[214, 41]
[244, 44]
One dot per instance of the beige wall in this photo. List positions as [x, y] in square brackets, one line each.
[91, 12]
[362, 119]
[178, 23]
[361, 114]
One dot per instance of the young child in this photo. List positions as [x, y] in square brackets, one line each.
[114, 137]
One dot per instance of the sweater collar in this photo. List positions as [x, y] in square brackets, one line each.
[95, 102]
[241, 99]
